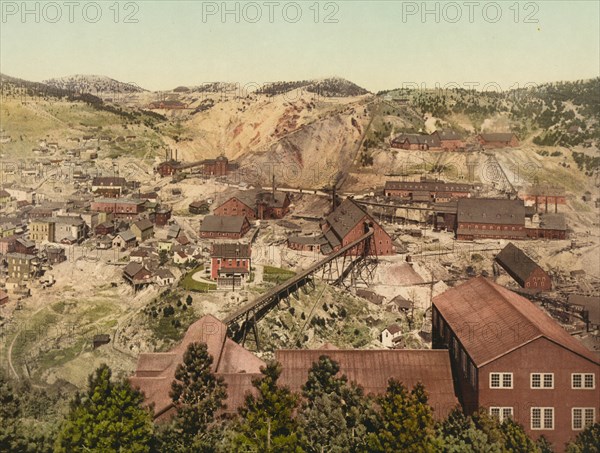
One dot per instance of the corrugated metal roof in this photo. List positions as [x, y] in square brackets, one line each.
[478, 309]
[372, 369]
[345, 217]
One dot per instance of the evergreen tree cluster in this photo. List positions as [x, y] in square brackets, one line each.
[330, 414]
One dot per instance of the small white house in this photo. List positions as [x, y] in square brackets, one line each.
[389, 334]
[164, 277]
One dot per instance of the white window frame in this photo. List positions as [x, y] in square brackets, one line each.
[583, 376]
[583, 411]
[501, 376]
[542, 380]
[501, 410]
[542, 419]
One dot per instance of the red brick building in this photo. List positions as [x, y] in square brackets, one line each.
[121, 208]
[437, 191]
[498, 140]
[237, 206]
[490, 218]
[347, 223]
[449, 141]
[215, 227]
[256, 204]
[551, 226]
[512, 359]
[230, 261]
[526, 272]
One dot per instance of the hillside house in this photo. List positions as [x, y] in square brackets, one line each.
[511, 358]
[137, 275]
[21, 267]
[164, 277]
[198, 207]
[526, 272]
[143, 229]
[389, 334]
[124, 240]
[214, 227]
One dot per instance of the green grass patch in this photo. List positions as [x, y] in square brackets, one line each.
[189, 284]
[276, 274]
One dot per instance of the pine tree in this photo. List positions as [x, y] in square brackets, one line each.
[587, 441]
[266, 422]
[109, 417]
[10, 437]
[333, 412]
[198, 396]
[404, 421]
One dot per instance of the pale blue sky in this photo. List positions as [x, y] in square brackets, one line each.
[371, 44]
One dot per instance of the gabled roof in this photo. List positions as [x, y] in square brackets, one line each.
[156, 371]
[345, 217]
[223, 224]
[393, 328]
[491, 210]
[372, 369]
[553, 221]
[448, 135]
[126, 235]
[144, 224]
[516, 262]
[132, 269]
[471, 308]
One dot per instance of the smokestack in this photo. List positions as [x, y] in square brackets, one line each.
[175, 154]
[166, 155]
[273, 186]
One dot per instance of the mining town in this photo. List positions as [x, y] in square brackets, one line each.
[305, 266]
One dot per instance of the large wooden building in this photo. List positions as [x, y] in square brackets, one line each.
[490, 218]
[347, 223]
[435, 191]
[216, 227]
[526, 272]
[512, 359]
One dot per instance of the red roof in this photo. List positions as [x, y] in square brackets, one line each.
[372, 370]
[237, 366]
[479, 308]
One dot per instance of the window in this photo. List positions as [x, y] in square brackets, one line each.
[542, 418]
[583, 381]
[501, 380]
[542, 380]
[582, 417]
[501, 413]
